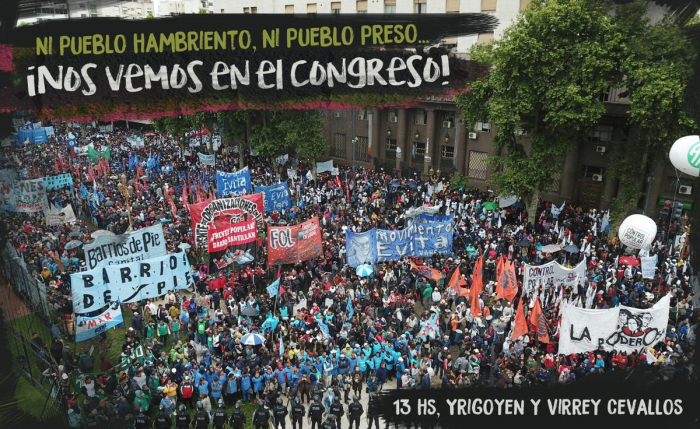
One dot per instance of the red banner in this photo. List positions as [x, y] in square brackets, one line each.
[228, 210]
[224, 236]
[292, 244]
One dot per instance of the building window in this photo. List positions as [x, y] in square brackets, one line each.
[484, 38]
[393, 116]
[421, 117]
[672, 185]
[592, 172]
[338, 147]
[488, 5]
[253, 10]
[222, 11]
[289, 8]
[246, 10]
[362, 149]
[607, 96]
[389, 8]
[524, 4]
[390, 149]
[449, 121]
[478, 165]
[483, 126]
[447, 152]
[335, 7]
[420, 6]
[362, 115]
[311, 9]
[554, 184]
[451, 6]
[602, 134]
[418, 153]
[362, 6]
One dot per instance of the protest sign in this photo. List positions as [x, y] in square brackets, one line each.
[88, 327]
[649, 266]
[324, 166]
[146, 243]
[554, 272]
[7, 180]
[130, 282]
[295, 243]
[208, 160]
[58, 182]
[205, 213]
[236, 234]
[29, 196]
[507, 201]
[275, 197]
[234, 184]
[58, 217]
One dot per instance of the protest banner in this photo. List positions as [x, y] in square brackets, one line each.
[236, 234]
[29, 196]
[507, 201]
[275, 197]
[130, 282]
[205, 213]
[552, 272]
[649, 266]
[282, 159]
[208, 160]
[58, 182]
[58, 217]
[414, 212]
[423, 237]
[94, 154]
[234, 184]
[295, 243]
[623, 329]
[140, 245]
[324, 166]
[7, 180]
[88, 327]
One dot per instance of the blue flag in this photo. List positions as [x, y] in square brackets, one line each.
[270, 324]
[349, 309]
[281, 346]
[274, 288]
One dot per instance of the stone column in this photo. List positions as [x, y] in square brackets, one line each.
[460, 142]
[373, 134]
[400, 138]
[430, 142]
[568, 174]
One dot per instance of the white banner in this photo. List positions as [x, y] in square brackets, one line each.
[292, 173]
[130, 282]
[552, 271]
[415, 212]
[209, 160]
[88, 327]
[507, 201]
[282, 159]
[649, 266]
[29, 196]
[146, 243]
[583, 330]
[623, 329]
[324, 166]
[58, 217]
[335, 171]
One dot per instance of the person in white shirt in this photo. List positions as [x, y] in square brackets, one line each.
[437, 296]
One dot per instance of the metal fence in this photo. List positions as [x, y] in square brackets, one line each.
[27, 321]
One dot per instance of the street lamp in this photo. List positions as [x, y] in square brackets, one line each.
[354, 149]
[127, 191]
[388, 132]
[416, 135]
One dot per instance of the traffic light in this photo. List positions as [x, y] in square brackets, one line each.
[677, 211]
[666, 211]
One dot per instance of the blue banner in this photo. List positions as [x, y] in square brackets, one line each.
[423, 238]
[88, 327]
[35, 136]
[275, 197]
[232, 184]
[58, 182]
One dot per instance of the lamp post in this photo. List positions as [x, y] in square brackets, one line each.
[354, 149]
[127, 191]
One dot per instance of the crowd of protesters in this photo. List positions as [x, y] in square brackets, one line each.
[194, 356]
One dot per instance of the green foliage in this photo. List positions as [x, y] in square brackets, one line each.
[458, 181]
[547, 73]
[233, 123]
[282, 131]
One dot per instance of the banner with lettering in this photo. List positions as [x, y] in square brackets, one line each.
[275, 197]
[649, 266]
[553, 272]
[234, 209]
[233, 184]
[295, 243]
[432, 234]
[88, 327]
[145, 243]
[7, 181]
[324, 166]
[58, 217]
[58, 182]
[130, 282]
[208, 160]
[29, 196]
[223, 236]
[623, 329]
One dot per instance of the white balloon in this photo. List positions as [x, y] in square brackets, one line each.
[637, 231]
[685, 155]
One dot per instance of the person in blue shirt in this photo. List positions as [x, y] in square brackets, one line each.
[202, 387]
[388, 362]
[246, 386]
[362, 364]
[216, 389]
[231, 387]
[281, 377]
[343, 364]
[287, 374]
[257, 384]
[376, 360]
[400, 370]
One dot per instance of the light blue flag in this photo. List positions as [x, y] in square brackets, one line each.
[281, 346]
[349, 309]
[274, 288]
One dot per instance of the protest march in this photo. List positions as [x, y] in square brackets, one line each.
[230, 278]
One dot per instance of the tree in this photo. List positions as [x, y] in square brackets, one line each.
[176, 126]
[234, 124]
[547, 74]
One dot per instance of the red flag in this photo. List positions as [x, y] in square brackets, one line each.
[429, 273]
[477, 286]
[539, 321]
[185, 202]
[520, 327]
[456, 282]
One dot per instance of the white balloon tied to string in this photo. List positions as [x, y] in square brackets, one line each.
[637, 231]
[685, 155]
